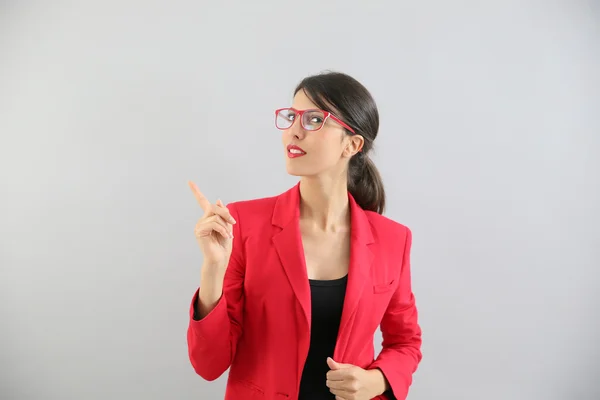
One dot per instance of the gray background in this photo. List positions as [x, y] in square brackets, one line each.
[488, 147]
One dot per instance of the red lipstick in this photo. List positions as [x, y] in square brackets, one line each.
[294, 151]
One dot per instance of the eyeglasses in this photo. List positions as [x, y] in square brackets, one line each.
[311, 120]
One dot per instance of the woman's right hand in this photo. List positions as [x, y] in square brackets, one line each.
[213, 230]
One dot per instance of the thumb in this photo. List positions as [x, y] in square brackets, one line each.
[334, 365]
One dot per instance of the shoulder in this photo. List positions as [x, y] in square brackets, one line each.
[389, 231]
[394, 239]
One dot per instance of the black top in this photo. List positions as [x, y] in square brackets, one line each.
[326, 310]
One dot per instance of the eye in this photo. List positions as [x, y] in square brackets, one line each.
[315, 117]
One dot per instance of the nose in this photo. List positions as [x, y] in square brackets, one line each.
[296, 130]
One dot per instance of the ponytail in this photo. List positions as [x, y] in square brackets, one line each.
[365, 183]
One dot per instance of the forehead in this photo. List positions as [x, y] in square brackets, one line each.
[302, 102]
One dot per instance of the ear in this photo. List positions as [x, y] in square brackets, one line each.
[353, 145]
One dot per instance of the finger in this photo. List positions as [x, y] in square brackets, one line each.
[341, 394]
[332, 364]
[222, 207]
[228, 227]
[334, 384]
[340, 374]
[223, 231]
[337, 365]
[208, 228]
[219, 220]
[223, 211]
[200, 198]
[337, 375]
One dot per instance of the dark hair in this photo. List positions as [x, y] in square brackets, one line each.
[350, 101]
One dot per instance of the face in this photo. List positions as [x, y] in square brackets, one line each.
[323, 152]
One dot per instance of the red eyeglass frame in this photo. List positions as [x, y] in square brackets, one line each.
[299, 113]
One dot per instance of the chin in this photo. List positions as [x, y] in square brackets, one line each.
[303, 169]
[297, 170]
[294, 171]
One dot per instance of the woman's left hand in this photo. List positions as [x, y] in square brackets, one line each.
[349, 382]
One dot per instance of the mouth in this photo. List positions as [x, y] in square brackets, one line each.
[294, 151]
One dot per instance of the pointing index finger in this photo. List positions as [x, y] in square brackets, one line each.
[200, 198]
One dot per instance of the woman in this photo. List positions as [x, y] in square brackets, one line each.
[293, 287]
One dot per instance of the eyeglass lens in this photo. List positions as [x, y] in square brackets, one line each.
[311, 119]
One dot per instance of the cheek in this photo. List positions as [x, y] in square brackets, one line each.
[331, 148]
[325, 156]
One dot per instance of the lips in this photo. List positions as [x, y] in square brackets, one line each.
[294, 151]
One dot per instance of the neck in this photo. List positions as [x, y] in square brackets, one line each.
[324, 203]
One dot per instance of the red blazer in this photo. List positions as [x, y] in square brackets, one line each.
[260, 327]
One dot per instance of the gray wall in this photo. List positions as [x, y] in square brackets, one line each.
[489, 148]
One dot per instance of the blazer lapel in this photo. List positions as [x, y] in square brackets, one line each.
[288, 244]
[361, 258]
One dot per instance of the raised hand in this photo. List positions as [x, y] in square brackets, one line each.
[213, 230]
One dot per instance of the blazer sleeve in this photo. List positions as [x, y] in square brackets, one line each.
[401, 348]
[212, 340]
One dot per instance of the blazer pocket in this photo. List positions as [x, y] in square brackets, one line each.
[255, 389]
[383, 287]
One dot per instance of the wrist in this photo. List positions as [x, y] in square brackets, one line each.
[379, 383]
[211, 281]
[212, 270]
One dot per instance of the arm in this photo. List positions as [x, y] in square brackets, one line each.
[401, 334]
[215, 323]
